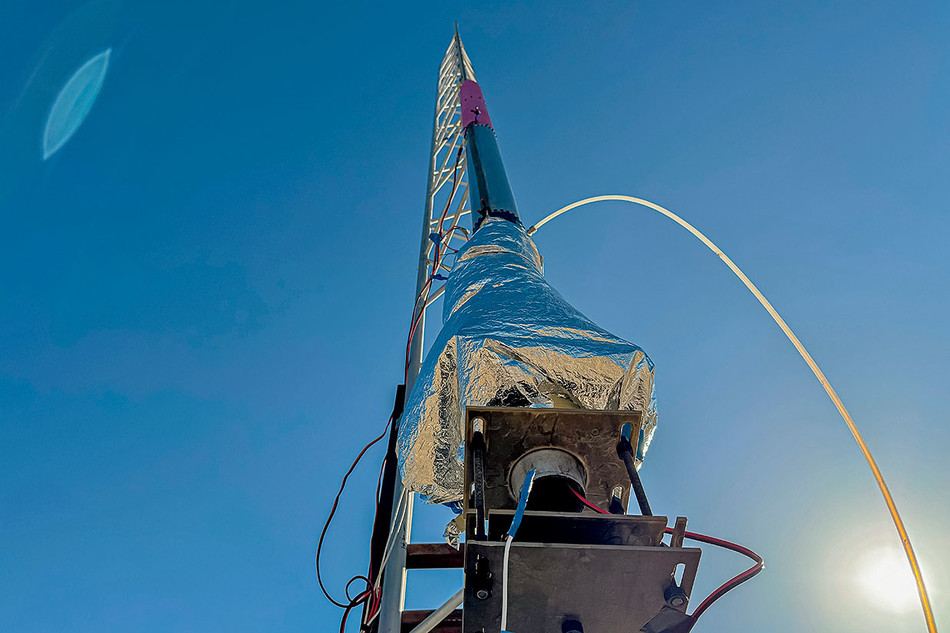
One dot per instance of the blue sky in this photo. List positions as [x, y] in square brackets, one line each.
[204, 294]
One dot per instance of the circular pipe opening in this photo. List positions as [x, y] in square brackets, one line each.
[558, 473]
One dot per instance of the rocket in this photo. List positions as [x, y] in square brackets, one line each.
[508, 338]
[489, 190]
[513, 420]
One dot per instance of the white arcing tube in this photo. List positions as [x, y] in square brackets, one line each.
[888, 499]
[440, 614]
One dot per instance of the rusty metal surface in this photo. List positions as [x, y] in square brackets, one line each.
[434, 556]
[609, 589]
[451, 624]
[578, 529]
[591, 436]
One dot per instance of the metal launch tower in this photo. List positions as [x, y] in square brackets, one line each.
[531, 423]
[526, 418]
[446, 204]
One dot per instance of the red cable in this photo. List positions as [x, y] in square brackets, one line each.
[727, 586]
[733, 582]
[415, 323]
[587, 503]
[373, 594]
[358, 600]
[336, 502]
[436, 263]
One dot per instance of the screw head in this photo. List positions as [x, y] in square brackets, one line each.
[481, 594]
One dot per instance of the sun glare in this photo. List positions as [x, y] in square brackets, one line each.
[885, 580]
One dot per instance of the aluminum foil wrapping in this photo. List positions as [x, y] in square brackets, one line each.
[509, 339]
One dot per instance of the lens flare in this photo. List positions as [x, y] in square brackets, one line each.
[885, 580]
[74, 102]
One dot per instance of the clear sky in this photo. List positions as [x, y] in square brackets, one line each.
[205, 292]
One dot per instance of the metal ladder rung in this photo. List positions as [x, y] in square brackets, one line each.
[451, 624]
[434, 556]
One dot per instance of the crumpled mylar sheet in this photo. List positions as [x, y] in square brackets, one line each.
[509, 339]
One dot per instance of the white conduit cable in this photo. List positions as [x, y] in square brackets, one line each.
[845, 415]
[395, 526]
[504, 586]
[509, 537]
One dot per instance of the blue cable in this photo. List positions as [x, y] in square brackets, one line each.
[522, 503]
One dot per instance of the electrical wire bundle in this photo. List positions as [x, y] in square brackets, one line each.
[371, 594]
[724, 588]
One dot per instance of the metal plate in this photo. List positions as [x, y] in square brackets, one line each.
[609, 589]
[590, 435]
[578, 528]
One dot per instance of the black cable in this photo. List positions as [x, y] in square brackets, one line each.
[625, 452]
[346, 589]
[478, 472]
[384, 495]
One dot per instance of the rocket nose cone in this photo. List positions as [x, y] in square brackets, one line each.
[474, 109]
